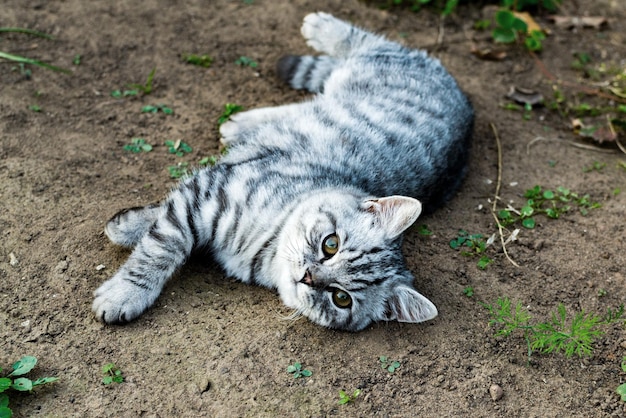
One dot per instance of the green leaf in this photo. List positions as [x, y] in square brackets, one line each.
[291, 369]
[5, 412]
[621, 390]
[24, 60]
[391, 369]
[306, 373]
[526, 211]
[44, 380]
[503, 35]
[528, 223]
[504, 214]
[107, 380]
[505, 18]
[5, 383]
[23, 365]
[22, 384]
[532, 44]
[4, 400]
[519, 25]
[108, 367]
[548, 194]
[483, 262]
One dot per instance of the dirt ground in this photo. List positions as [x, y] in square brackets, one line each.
[217, 348]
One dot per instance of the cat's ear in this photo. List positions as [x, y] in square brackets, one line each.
[407, 305]
[394, 213]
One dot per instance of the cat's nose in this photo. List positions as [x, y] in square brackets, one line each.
[308, 278]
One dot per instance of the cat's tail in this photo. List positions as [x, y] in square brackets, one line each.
[306, 72]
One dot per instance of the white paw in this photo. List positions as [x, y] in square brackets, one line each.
[119, 301]
[229, 131]
[324, 32]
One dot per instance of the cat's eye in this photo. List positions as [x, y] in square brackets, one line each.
[330, 245]
[341, 299]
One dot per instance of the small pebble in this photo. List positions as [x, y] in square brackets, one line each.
[496, 392]
[100, 267]
[13, 259]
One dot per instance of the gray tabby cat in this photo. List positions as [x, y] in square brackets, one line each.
[312, 198]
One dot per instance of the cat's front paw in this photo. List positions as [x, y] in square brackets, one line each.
[325, 33]
[118, 300]
[229, 132]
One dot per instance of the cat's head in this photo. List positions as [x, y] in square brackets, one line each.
[341, 263]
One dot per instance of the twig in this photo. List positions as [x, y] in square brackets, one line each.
[573, 144]
[497, 195]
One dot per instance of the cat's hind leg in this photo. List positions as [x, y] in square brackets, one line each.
[128, 226]
[334, 37]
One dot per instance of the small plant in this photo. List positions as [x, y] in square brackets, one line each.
[550, 203]
[596, 166]
[389, 365]
[621, 389]
[246, 62]
[345, 397]
[119, 93]
[178, 147]
[423, 230]
[468, 291]
[157, 108]
[111, 374]
[179, 170]
[297, 371]
[77, 59]
[21, 384]
[510, 28]
[35, 108]
[476, 245]
[22, 61]
[138, 145]
[145, 88]
[199, 60]
[208, 161]
[229, 109]
[559, 334]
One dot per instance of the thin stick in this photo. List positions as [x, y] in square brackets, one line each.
[572, 143]
[497, 195]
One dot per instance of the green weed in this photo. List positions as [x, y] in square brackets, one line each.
[199, 60]
[345, 397]
[472, 245]
[111, 374]
[423, 230]
[138, 145]
[468, 291]
[621, 389]
[388, 364]
[21, 384]
[179, 170]
[547, 202]
[157, 108]
[574, 335]
[297, 371]
[229, 109]
[29, 61]
[145, 88]
[178, 147]
[246, 62]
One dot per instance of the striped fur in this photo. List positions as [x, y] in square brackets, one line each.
[312, 198]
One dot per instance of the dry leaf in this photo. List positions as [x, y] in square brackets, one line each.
[599, 134]
[489, 54]
[569, 22]
[525, 96]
